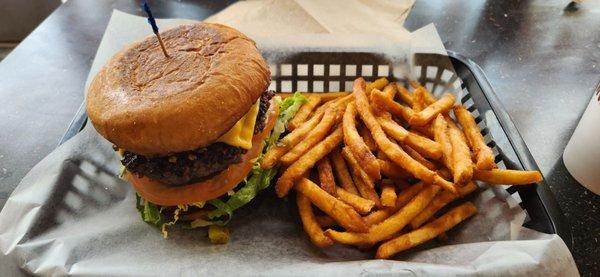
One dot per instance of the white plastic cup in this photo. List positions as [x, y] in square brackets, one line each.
[582, 154]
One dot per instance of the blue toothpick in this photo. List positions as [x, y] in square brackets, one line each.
[152, 23]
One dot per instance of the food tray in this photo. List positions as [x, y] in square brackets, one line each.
[335, 71]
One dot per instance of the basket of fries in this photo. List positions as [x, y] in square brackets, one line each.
[377, 160]
[381, 165]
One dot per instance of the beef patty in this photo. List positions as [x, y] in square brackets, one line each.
[195, 165]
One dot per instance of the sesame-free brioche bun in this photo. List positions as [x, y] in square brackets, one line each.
[148, 104]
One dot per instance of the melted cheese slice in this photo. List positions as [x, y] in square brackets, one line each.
[243, 130]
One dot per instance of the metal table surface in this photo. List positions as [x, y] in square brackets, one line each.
[542, 62]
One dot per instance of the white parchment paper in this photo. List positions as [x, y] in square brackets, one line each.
[71, 216]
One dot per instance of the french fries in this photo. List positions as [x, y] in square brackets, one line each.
[326, 179]
[325, 221]
[310, 223]
[440, 133]
[418, 100]
[342, 172]
[427, 232]
[388, 227]
[388, 194]
[392, 150]
[507, 176]
[314, 136]
[428, 96]
[362, 181]
[439, 201]
[378, 216]
[356, 169]
[290, 140]
[304, 111]
[426, 115]
[462, 165]
[367, 137]
[407, 194]
[363, 169]
[404, 95]
[415, 155]
[361, 205]
[390, 92]
[391, 170]
[381, 100]
[302, 165]
[414, 84]
[345, 215]
[483, 154]
[357, 145]
[423, 145]
[377, 84]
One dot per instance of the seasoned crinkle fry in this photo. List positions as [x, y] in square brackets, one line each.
[391, 225]
[306, 162]
[357, 145]
[508, 177]
[313, 137]
[484, 155]
[361, 205]
[290, 140]
[311, 226]
[392, 150]
[439, 201]
[427, 232]
[442, 105]
[341, 171]
[304, 111]
[326, 179]
[345, 215]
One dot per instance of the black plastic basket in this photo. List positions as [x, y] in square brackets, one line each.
[327, 71]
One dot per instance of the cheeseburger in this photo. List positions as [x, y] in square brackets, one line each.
[190, 128]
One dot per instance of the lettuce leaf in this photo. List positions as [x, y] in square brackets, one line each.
[287, 109]
[150, 212]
